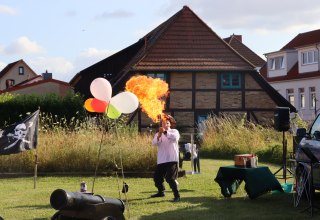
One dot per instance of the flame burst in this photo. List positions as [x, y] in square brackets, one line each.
[152, 94]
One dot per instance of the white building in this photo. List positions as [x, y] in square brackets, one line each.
[294, 71]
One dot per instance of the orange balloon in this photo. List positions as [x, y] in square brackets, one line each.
[87, 105]
[99, 105]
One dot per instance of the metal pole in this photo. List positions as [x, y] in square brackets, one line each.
[192, 156]
[315, 105]
[284, 156]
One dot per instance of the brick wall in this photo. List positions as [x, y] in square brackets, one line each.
[230, 99]
[184, 118]
[181, 81]
[251, 83]
[258, 99]
[181, 99]
[205, 100]
[206, 81]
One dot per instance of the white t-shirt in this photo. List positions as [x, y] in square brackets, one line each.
[191, 150]
[168, 147]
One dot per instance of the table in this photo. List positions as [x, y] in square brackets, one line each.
[258, 180]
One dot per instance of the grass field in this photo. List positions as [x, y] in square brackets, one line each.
[200, 197]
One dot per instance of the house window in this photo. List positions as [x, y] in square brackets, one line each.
[309, 57]
[301, 98]
[21, 70]
[230, 80]
[9, 83]
[312, 91]
[276, 63]
[290, 96]
[161, 76]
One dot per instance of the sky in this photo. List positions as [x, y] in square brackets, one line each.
[64, 37]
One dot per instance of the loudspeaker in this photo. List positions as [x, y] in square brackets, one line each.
[282, 119]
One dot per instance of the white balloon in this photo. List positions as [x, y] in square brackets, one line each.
[101, 89]
[125, 102]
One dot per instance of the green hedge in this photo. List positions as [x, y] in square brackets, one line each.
[15, 107]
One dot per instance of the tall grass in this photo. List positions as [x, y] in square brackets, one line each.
[73, 146]
[62, 149]
[231, 134]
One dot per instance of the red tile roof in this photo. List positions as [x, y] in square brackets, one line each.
[18, 87]
[185, 42]
[235, 42]
[10, 65]
[303, 39]
[7, 68]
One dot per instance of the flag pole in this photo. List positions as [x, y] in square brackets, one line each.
[35, 170]
[36, 161]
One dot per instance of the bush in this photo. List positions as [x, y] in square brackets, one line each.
[14, 107]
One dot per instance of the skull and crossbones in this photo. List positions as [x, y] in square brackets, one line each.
[20, 132]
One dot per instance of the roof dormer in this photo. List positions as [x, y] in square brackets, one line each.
[280, 62]
[308, 58]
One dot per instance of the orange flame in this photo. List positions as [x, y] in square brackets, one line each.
[152, 94]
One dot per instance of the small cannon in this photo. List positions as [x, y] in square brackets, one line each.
[77, 205]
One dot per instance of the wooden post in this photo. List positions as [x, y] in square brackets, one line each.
[35, 170]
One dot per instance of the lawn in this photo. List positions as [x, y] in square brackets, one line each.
[200, 197]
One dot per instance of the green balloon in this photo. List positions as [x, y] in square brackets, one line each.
[112, 112]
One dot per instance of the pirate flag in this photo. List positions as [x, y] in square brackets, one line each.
[20, 136]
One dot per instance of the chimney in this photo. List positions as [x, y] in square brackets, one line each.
[46, 75]
[239, 37]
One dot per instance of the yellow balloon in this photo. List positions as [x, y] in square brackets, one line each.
[112, 112]
[87, 105]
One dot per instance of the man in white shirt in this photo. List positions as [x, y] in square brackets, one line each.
[167, 158]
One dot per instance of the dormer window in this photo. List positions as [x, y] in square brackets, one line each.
[21, 70]
[276, 63]
[309, 57]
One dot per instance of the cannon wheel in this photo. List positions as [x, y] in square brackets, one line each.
[56, 216]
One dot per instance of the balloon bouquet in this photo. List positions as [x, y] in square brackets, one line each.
[112, 107]
[103, 102]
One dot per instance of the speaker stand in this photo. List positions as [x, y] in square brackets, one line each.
[284, 159]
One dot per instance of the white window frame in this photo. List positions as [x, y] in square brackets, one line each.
[21, 70]
[276, 63]
[309, 57]
[312, 95]
[302, 98]
[290, 96]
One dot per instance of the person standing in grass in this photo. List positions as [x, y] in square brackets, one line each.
[167, 139]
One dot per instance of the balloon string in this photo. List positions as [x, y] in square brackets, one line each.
[99, 153]
[125, 191]
[97, 164]
[121, 165]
